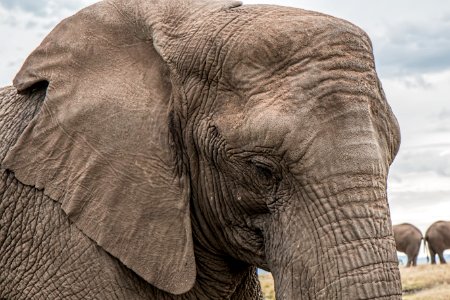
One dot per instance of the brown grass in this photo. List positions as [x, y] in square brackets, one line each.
[424, 282]
[266, 281]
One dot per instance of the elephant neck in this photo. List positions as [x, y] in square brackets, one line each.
[220, 276]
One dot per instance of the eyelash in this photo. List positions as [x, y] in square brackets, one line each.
[265, 169]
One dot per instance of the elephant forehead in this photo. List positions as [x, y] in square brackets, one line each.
[265, 127]
[288, 128]
[279, 41]
[247, 44]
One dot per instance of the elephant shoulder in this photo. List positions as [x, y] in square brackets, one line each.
[16, 111]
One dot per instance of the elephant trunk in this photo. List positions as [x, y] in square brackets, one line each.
[335, 243]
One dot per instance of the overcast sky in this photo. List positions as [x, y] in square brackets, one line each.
[411, 40]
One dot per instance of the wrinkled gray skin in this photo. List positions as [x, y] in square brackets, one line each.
[407, 240]
[298, 188]
[44, 256]
[438, 239]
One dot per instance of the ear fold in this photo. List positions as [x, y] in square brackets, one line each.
[101, 144]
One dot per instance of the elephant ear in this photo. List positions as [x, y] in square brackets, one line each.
[101, 144]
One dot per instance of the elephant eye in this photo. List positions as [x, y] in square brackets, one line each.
[265, 170]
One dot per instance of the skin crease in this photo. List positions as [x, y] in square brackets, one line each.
[408, 239]
[44, 256]
[286, 139]
[438, 239]
[281, 142]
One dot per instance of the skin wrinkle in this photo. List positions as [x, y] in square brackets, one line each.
[56, 121]
[216, 46]
[219, 168]
[217, 53]
[315, 232]
[212, 48]
[68, 275]
[317, 236]
[317, 208]
[232, 40]
[220, 197]
[183, 49]
[330, 87]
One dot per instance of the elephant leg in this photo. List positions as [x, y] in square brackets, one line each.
[441, 257]
[414, 260]
[433, 256]
[408, 264]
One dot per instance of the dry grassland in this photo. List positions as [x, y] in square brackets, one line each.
[424, 282]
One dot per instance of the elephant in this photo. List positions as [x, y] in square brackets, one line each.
[438, 238]
[407, 240]
[168, 149]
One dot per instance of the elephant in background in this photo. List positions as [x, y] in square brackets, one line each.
[165, 149]
[407, 240]
[438, 239]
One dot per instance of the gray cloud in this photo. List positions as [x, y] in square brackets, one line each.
[414, 48]
[418, 208]
[49, 25]
[440, 122]
[40, 8]
[9, 20]
[444, 114]
[416, 199]
[31, 24]
[436, 124]
[423, 160]
[410, 38]
[410, 79]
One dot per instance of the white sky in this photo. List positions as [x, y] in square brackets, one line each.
[411, 40]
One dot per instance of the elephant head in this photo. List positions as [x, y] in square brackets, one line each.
[259, 134]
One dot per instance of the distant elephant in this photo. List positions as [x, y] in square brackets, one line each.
[407, 240]
[165, 149]
[438, 239]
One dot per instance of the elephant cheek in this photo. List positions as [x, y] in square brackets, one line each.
[334, 245]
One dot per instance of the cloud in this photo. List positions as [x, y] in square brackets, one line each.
[37, 7]
[444, 114]
[9, 20]
[11, 64]
[40, 8]
[31, 24]
[414, 48]
[440, 122]
[28, 22]
[419, 208]
[417, 200]
[424, 161]
[410, 38]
